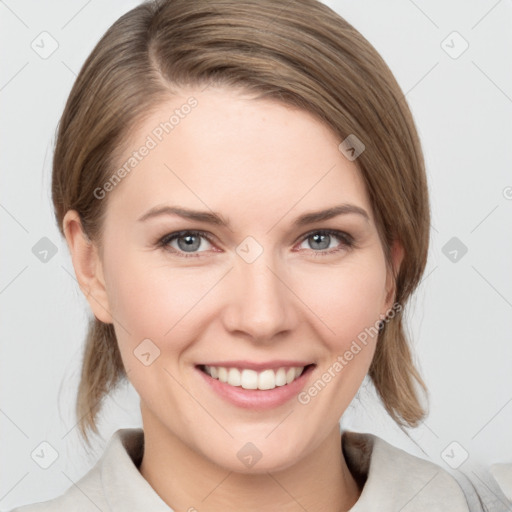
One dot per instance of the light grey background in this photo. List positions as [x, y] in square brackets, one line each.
[461, 318]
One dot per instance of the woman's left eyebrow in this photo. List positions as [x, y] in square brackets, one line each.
[329, 213]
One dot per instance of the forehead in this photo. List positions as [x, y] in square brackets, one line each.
[225, 150]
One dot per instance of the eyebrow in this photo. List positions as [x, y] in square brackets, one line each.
[217, 219]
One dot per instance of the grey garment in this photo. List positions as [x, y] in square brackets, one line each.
[487, 489]
[394, 480]
[502, 474]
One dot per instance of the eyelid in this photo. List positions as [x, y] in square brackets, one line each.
[343, 235]
[347, 241]
[345, 238]
[165, 240]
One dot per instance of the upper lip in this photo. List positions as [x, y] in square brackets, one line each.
[268, 365]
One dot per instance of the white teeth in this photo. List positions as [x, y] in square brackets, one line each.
[281, 377]
[223, 374]
[267, 379]
[250, 379]
[234, 377]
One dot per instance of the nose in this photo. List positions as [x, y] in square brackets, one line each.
[261, 304]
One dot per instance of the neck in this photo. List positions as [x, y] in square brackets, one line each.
[186, 480]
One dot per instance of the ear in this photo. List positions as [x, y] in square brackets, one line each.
[397, 255]
[87, 265]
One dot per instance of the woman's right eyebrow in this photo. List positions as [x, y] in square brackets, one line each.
[197, 215]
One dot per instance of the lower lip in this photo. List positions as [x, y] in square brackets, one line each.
[257, 399]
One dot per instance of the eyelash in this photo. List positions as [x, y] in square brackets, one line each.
[347, 241]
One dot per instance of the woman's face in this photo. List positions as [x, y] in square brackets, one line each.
[256, 279]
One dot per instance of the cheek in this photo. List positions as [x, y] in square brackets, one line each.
[157, 300]
[348, 298]
[154, 301]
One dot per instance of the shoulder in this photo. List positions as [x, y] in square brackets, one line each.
[502, 475]
[101, 486]
[397, 480]
[83, 496]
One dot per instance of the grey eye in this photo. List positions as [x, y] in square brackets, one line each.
[320, 240]
[186, 241]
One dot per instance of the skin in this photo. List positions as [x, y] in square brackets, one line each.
[259, 164]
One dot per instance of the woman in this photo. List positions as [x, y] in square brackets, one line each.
[242, 190]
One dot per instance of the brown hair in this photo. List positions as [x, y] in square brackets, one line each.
[299, 53]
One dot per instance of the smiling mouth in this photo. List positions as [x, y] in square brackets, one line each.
[251, 379]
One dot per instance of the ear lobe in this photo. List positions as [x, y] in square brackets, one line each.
[397, 255]
[87, 265]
